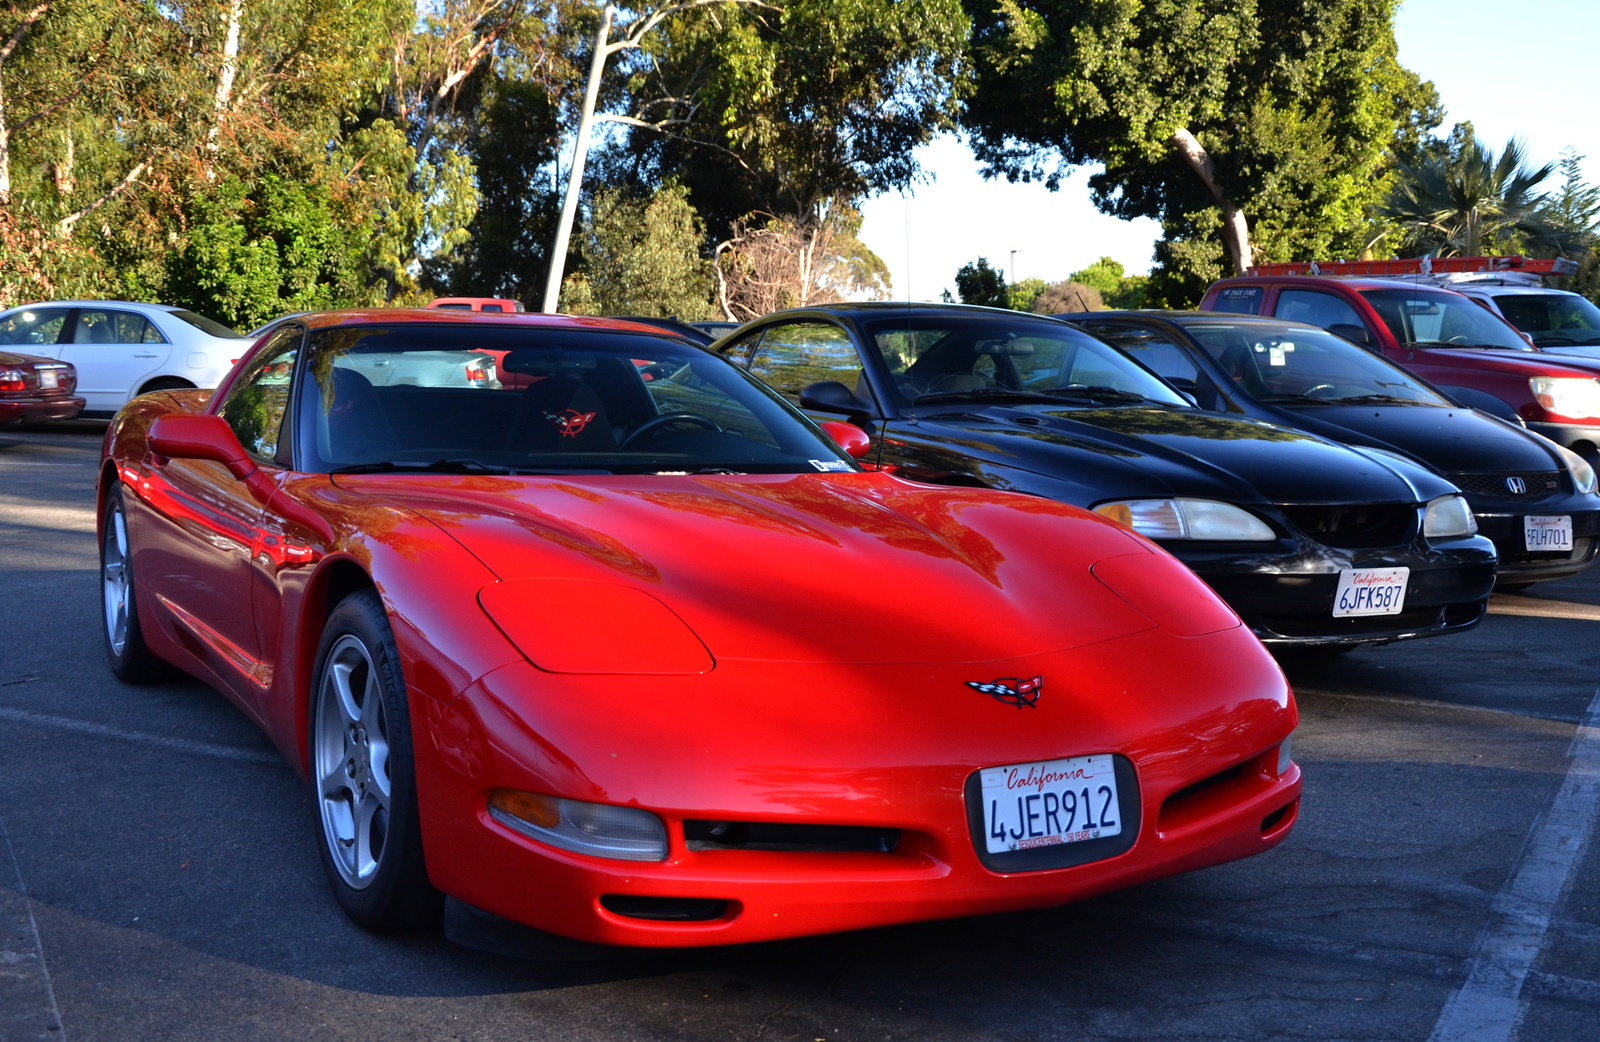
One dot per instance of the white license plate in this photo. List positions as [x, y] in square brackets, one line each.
[1547, 533]
[47, 379]
[1371, 591]
[1032, 805]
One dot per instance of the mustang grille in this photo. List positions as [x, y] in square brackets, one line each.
[1356, 526]
[1537, 483]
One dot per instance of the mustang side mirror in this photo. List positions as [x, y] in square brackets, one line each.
[833, 396]
[852, 439]
[1353, 333]
[190, 436]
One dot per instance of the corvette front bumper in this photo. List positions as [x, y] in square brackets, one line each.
[1205, 760]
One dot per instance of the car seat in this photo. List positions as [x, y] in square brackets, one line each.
[561, 413]
[358, 428]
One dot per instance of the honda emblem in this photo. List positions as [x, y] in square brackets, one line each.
[1516, 486]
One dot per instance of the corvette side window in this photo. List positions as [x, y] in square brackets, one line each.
[255, 406]
[796, 354]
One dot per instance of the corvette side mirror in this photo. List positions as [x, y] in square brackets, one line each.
[189, 436]
[852, 439]
[833, 396]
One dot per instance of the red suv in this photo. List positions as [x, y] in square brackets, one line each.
[1445, 337]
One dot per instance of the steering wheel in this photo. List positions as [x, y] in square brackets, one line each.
[667, 420]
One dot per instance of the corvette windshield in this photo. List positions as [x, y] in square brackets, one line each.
[1552, 318]
[1297, 364]
[961, 358]
[1437, 318]
[522, 399]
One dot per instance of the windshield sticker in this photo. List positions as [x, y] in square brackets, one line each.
[570, 423]
[831, 465]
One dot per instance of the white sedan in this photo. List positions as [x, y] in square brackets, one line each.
[122, 349]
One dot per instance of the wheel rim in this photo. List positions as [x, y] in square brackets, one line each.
[114, 580]
[352, 762]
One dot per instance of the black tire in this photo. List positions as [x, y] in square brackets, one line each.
[166, 383]
[131, 660]
[377, 872]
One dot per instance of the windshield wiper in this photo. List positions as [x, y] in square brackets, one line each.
[1357, 399]
[1065, 395]
[455, 466]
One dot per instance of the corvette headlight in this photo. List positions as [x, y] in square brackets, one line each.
[1583, 477]
[1574, 396]
[1448, 516]
[599, 829]
[1201, 519]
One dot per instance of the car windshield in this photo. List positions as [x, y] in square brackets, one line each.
[1552, 318]
[963, 357]
[521, 399]
[1435, 317]
[207, 325]
[1273, 362]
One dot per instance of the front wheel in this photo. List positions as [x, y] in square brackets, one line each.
[130, 658]
[362, 767]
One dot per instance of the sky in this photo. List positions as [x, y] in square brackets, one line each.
[1512, 67]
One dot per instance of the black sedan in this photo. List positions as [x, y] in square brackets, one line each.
[34, 389]
[1533, 498]
[1313, 543]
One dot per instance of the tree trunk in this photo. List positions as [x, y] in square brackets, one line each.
[1235, 231]
[225, 77]
[569, 203]
[5, 131]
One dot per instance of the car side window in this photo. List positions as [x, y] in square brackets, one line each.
[34, 326]
[1158, 353]
[114, 327]
[739, 351]
[1238, 300]
[1316, 308]
[256, 403]
[794, 355]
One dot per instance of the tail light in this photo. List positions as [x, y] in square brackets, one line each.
[12, 382]
[481, 371]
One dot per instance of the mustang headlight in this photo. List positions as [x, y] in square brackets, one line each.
[1202, 519]
[599, 829]
[1574, 396]
[1448, 516]
[1583, 477]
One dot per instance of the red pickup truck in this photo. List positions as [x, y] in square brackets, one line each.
[1447, 338]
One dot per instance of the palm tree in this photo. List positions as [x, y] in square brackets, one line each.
[1454, 203]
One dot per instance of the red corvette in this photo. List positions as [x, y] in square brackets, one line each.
[653, 662]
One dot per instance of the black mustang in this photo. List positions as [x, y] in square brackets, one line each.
[1533, 498]
[1313, 543]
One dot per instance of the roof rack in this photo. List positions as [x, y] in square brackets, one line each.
[1425, 266]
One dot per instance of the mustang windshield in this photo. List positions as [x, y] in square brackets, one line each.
[1437, 318]
[1294, 363]
[448, 397]
[966, 358]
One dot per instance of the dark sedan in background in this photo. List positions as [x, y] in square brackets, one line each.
[1535, 499]
[1313, 543]
[34, 389]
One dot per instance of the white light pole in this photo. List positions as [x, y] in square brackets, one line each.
[569, 203]
[1014, 266]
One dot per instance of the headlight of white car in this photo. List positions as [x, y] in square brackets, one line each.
[1448, 517]
[1574, 396]
[1583, 477]
[1201, 519]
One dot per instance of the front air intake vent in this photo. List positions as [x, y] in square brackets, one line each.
[1356, 526]
[772, 835]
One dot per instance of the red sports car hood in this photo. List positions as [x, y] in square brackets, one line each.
[840, 568]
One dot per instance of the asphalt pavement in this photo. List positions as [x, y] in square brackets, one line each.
[159, 878]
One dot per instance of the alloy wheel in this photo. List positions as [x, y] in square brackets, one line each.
[352, 762]
[114, 580]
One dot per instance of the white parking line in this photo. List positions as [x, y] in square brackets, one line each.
[1487, 1007]
[28, 1007]
[185, 745]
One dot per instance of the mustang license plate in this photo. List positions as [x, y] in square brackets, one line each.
[1371, 591]
[1031, 805]
[47, 379]
[1547, 533]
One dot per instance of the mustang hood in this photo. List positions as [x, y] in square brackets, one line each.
[841, 568]
[1195, 454]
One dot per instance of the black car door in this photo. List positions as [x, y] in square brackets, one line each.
[817, 366]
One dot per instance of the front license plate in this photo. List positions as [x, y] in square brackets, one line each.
[1547, 533]
[1371, 591]
[47, 379]
[1031, 805]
